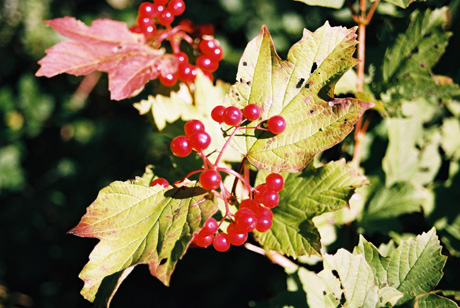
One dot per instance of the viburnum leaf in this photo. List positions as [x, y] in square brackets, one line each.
[300, 89]
[429, 300]
[415, 267]
[305, 195]
[337, 4]
[138, 224]
[402, 3]
[106, 46]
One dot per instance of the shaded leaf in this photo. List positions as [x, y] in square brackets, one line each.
[305, 195]
[431, 300]
[403, 3]
[106, 46]
[401, 159]
[301, 90]
[140, 225]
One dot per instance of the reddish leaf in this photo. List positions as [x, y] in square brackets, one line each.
[106, 46]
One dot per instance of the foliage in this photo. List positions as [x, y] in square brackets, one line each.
[369, 167]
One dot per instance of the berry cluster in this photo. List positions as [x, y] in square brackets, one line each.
[233, 116]
[154, 22]
[254, 212]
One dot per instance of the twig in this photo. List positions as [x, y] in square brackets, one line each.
[274, 256]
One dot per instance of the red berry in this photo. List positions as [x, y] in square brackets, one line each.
[160, 181]
[193, 126]
[220, 242]
[182, 57]
[217, 113]
[206, 29]
[251, 112]
[150, 31]
[136, 29]
[210, 179]
[210, 227]
[235, 237]
[160, 2]
[270, 198]
[203, 241]
[200, 141]
[250, 204]
[166, 17]
[186, 73]
[264, 212]
[217, 54]
[263, 224]
[206, 63]
[177, 7]
[169, 80]
[145, 22]
[276, 124]
[180, 146]
[146, 9]
[259, 190]
[245, 220]
[232, 116]
[274, 182]
[207, 46]
[157, 9]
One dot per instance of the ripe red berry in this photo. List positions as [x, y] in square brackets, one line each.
[166, 17]
[250, 204]
[270, 198]
[210, 179]
[182, 57]
[203, 241]
[207, 64]
[251, 112]
[157, 9]
[200, 141]
[263, 224]
[160, 2]
[160, 181]
[177, 7]
[145, 22]
[235, 237]
[220, 242]
[274, 182]
[232, 116]
[169, 80]
[210, 227]
[136, 29]
[146, 9]
[258, 192]
[186, 73]
[180, 146]
[207, 46]
[264, 212]
[245, 220]
[193, 126]
[276, 124]
[217, 113]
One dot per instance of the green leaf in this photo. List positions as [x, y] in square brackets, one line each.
[415, 267]
[140, 225]
[323, 289]
[356, 278]
[402, 3]
[431, 300]
[386, 203]
[401, 159]
[301, 90]
[450, 137]
[336, 4]
[305, 195]
[372, 255]
[419, 48]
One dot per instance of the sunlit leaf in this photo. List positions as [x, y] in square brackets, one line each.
[337, 4]
[308, 194]
[402, 3]
[301, 90]
[137, 224]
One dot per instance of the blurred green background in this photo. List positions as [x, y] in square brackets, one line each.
[59, 147]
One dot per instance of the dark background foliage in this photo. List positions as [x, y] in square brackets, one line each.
[58, 150]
